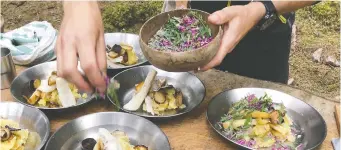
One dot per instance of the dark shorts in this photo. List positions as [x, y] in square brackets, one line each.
[260, 54]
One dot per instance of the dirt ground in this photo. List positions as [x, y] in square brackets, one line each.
[320, 79]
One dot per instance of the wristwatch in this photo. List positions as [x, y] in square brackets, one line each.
[269, 17]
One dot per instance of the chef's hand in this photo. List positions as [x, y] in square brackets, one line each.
[81, 35]
[237, 21]
[181, 4]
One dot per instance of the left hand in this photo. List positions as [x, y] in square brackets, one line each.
[237, 21]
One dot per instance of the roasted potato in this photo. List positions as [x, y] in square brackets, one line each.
[112, 54]
[36, 83]
[140, 147]
[258, 114]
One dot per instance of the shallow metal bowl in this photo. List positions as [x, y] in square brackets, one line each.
[304, 116]
[21, 85]
[192, 88]
[139, 130]
[28, 118]
[131, 39]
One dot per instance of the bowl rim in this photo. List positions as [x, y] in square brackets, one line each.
[226, 91]
[91, 97]
[107, 112]
[182, 52]
[124, 67]
[47, 134]
[160, 117]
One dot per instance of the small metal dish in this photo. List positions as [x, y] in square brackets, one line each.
[126, 38]
[192, 88]
[28, 118]
[139, 130]
[22, 85]
[308, 120]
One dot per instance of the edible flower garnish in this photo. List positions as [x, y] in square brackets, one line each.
[181, 34]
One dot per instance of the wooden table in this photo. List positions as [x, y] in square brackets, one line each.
[192, 131]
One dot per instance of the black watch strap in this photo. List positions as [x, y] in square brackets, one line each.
[269, 17]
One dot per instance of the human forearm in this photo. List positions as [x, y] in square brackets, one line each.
[69, 5]
[181, 4]
[258, 9]
[289, 6]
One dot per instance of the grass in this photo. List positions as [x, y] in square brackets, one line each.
[317, 27]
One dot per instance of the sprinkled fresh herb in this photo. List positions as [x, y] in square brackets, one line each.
[182, 34]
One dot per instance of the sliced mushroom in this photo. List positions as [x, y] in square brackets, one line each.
[5, 134]
[11, 129]
[52, 80]
[116, 48]
[108, 48]
[125, 58]
[88, 144]
[159, 97]
[179, 98]
[140, 147]
[112, 54]
[158, 84]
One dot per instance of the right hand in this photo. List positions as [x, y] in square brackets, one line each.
[81, 35]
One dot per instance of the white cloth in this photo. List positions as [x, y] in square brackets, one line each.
[31, 44]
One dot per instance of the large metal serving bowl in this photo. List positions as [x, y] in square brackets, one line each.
[21, 85]
[131, 39]
[139, 130]
[192, 88]
[178, 61]
[28, 118]
[307, 119]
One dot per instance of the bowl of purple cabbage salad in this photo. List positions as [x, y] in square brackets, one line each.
[180, 40]
[257, 118]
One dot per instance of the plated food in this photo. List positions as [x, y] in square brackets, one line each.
[184, 33]
[123, 51]
[15, 138]
[157, 96]
[39, 86]
[260, 123]
[259, 118]
[22, 127]
[122, 54]
[150, 92]
[116, 140]
[54, 92]
[109, 131]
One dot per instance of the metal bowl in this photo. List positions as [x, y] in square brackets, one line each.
[131, 39]
[28, 118]
[192, 88]
[21, 85]
[304, 116]
[139, 130]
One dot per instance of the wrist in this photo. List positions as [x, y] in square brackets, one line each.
[256, 11]
[72, 5]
